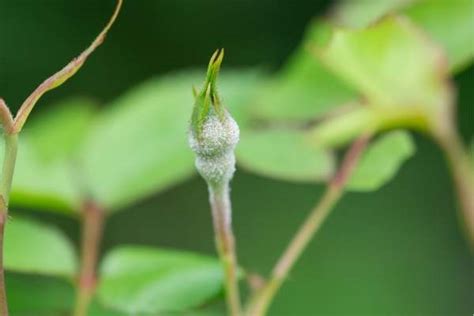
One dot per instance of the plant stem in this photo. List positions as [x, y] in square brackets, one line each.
[260, 303]
[225, 243]
[3, 294]
[11, 148]
[92, 230]
[463, 176]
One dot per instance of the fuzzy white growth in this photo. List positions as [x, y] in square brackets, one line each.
[215, 159]
[216, 136]
[217, 170]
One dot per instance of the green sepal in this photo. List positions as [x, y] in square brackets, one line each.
[207, 101]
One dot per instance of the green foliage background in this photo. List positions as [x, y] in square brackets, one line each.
[398, 251]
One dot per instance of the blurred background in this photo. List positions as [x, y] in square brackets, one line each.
[398, 251]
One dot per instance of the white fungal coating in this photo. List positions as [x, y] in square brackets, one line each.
[215, 159]
[216, 136]
[218, 169]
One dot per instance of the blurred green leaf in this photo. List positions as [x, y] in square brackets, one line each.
[34, 247]
[340, 129]
[449, 23]
[238, 89]
[206, 312]
[33, 295]
[359, 14]
[303, 89]
[390, 63]
[283, 154]
[96, 309]
[399, 71]
[141, 279]
[58, 133]
[381, 161]
[401, 75]
[48, 175]
[139, 145]
[43, 184]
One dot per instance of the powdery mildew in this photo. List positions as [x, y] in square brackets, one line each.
[215, 158]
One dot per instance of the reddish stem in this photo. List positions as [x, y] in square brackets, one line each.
[92, 230]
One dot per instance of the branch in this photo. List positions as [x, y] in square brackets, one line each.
[93, 217]
[62, 76]
[260, 303]
[463, 175]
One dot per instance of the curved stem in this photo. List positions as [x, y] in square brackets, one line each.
[463, 176]
[92, 230]
[225, 243]
[260, 303]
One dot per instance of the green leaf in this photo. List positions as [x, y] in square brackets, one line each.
[303, 89]
[380, 163]
[147, 280]
[96, 309]
[43, 184]
[238, 89]
[283, 154]
[390, 63]
[48, 175]
[33, 295]
[359, 14]
[34, 247]
[58, 133]
[449, 23]
[339, 130]
[204, 311]
[399, 72]
[30, 295]
[138, 145]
